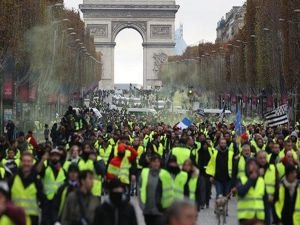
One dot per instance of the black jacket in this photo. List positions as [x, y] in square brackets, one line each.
[58, 197]
[107, 214]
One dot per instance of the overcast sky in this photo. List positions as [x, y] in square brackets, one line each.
[199, 19]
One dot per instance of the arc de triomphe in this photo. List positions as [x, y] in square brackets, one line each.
[153, 19]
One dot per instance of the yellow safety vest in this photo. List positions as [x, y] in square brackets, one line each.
[25, 197]
[242, 167]
[78, 124]
[211, 151]
[2, 173]
[252, 205]
[257, 149]
[179, 183]
[66, 165]
[105, 153]
[159, 150]
[280, 204]
[167, 187]
[5, 220]
[97, 184]
[62, 201]
[51, 184]
[146, 140]
[121, 172]
[270, 180]
[211, 166]
[97, 145]
[280, 169]
[182, 154]
[193, 187]
[140, 151]
[17, 161]
[112, 141]
[282, 154]
[231, 147]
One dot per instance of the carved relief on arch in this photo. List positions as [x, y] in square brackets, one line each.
[140, 26]
[159, 59]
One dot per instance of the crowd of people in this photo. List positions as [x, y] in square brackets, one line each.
[89, 173]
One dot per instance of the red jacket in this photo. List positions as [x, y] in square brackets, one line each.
[116, 161]
[32, 141]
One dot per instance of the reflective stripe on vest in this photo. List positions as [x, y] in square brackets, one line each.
[167, 187]
[51, 184]
[121, 172]
[25, 197]
[251, 205]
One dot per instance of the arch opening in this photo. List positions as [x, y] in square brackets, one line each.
[128, 65]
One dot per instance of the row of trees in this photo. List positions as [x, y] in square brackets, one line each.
[263, 58]
[46, 51]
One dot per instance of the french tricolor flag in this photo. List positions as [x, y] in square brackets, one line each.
[184, 124]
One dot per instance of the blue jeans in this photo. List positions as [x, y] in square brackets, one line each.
[222, 188]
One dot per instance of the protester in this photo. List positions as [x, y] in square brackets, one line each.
[182, 213]
[203, 157]
[220, 168]
[192, 187]
[89, 161]
[9, 213]
[53, 176]
[115, 209]
[26, 189]
[287, 200]
[80, 205]
[10, 130]
[46, 132]
[251, 194]
[268, 173]
[70, 185]
[240, 161]
[149, 157]
[156, 192]
[119, 166]
[32, 142]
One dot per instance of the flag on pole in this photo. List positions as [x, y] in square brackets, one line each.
[184, 124]
[276, 117]
[238, 128]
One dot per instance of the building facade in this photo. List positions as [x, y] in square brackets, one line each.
[229, 26]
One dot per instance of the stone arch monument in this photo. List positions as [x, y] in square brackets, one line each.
[153, 19]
